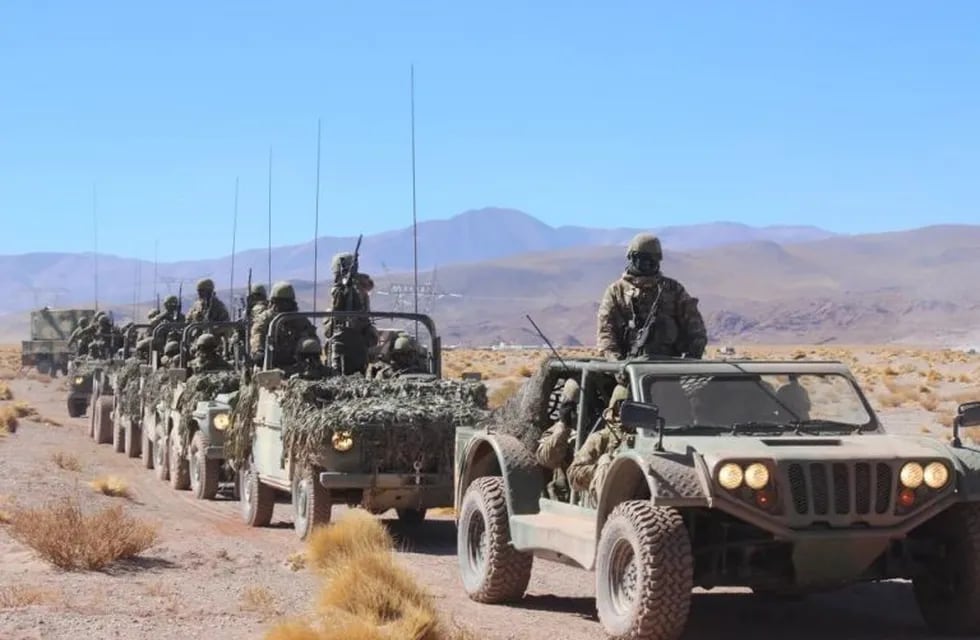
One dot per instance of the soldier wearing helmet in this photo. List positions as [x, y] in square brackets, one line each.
[77, 336]
[207, 356]
[309, 365]
[207, 307]
[351, 339]
[677, 327]
[591, 462]
[171, 354]
[290, 332]
[555, 444]
[257, 301]
[404, 359]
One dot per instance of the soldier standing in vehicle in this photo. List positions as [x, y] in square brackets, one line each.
[206, 356]
[555, 444]
[77, 335]
[352, 338]
[207, 307]
[676, 328]
[171, 313]
[257, 301]
[291, 331]
[591, 462]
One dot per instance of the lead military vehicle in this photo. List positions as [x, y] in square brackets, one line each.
[326, 438]
[47, 350]
[772, 475]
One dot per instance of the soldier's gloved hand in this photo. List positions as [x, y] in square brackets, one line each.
[566, 414]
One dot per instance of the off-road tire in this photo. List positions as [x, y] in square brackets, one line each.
[103, 420]
[649, 546]
[411, 516]
[311, 503]
[205, 472]
[493, 571]
[949, 593]
[132, 440]
[180, 473]
[161, 458]
[257, 500]
[76, 409]
[146, 449]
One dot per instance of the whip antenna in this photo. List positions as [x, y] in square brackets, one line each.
[270, 220]
[234, 235]
[415, 232]
[316, 215]
[95, 242]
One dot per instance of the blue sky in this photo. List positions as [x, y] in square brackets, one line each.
[852, 116]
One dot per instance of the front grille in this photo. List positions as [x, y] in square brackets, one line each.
[396, 449]
[840, 488]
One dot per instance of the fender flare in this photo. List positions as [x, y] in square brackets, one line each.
[504, 456]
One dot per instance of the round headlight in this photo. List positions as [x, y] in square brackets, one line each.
[221, 421]
[342, 440]
[730, 476]
[936, 475]
[911, 475]
[79, 379]
[756, 476]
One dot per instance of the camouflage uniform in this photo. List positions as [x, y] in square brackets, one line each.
[351, 338]
[207, 307]
[308, 365]
[75, 339]
[171, 354]
[257, 301]
[591, 463]
[207, 357]
[404, 359]
[290, 334]
[555, 443]
[678, 328]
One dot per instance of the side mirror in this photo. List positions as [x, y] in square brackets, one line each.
[636, 415]
[967, 415]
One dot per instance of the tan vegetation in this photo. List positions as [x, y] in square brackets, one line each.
[62, 534]
[66, 461]
[5, 391]
[366, 594]
[504, 391]
[16, 596]
[113, 486]
[8, 420]
[259, 600]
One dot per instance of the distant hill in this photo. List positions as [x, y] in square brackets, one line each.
[473, 236]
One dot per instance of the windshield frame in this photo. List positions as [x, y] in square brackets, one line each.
[644, 378]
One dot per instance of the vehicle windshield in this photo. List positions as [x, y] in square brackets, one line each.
[806, 401]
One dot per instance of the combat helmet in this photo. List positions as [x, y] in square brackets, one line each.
[341, 262]
[172, 348]
[171, 303]
[82, 323]
[309, 347]
[570, 391]
[258, 292]
[283, 291]
[206, 342]
[645, 243]
[404, 343]
[205, 286]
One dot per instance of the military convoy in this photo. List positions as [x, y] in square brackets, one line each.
[772, 475]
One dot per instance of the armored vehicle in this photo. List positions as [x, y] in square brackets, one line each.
[776, 476]
[47, 350]
[326, 438]
[81, 373]
[157, 380]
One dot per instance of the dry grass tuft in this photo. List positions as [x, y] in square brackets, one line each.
[66, 461]
[8, 419]
[366, 595]
[259, 600]
[61, 533]
[111, 486]
[525, 371]
[503, 393]
[5, 391]
[296, 561]
[16, 596]
[23, 410]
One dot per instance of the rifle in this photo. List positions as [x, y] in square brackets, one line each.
[348, 279]
[643, 335]
[246, 355]
[180, 300]
[158, 304]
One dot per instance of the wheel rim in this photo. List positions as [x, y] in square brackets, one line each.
[302, 503]
[476, 541]
[622, 576]
[195, 469]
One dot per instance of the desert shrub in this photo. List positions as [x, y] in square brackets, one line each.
[66, 461]
[113, 486]
[62, 534]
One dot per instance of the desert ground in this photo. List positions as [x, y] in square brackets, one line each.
[204, 574]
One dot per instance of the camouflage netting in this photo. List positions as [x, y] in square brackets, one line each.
[525, 415]
[86, 366]
[128, 388]
[202, 387]
[238, 437]
[157, 389]
[425, 413]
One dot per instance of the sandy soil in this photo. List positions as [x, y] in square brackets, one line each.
[211, 576]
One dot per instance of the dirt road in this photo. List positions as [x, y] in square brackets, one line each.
[212, 577]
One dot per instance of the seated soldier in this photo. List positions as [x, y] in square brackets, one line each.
[207, 357]
[404, 359]
[290, 333]
[171, 355]
[591, 462]
[309, 365]
[555, 444]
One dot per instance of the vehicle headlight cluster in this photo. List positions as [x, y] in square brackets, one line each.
[934, 475]
[221, 421]
[342, 441]
[79, 380]
[755, 476]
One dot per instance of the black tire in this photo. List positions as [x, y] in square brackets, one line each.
[648, 546]
[257, 500]
[492, 570]
[161, 458]
[311, 503]
[948, 594]
[180, 473]
[103, 420]
[118, 433]
[146, 449]
[205, 472]
[411, 516]
[76, 409]
[132, 440]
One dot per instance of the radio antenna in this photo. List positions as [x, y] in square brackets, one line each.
[270, 220]
[234, 237]
[316, 215]
[415, 232]
[95, 239]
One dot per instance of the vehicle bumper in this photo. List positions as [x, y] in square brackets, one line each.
[424, 481]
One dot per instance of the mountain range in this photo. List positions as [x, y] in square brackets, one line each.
[488, 268]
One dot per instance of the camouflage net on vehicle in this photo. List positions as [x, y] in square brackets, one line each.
[86, 366]
[397, 422]
[202, 387]
[157, 389]
[525, 415]
[128, 388]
